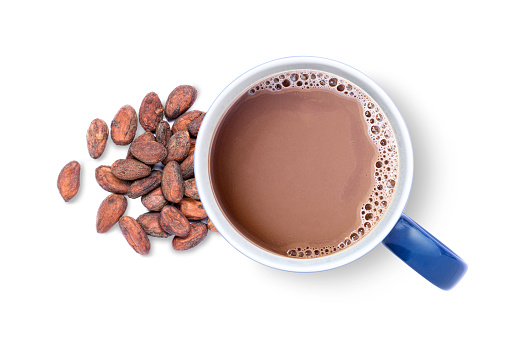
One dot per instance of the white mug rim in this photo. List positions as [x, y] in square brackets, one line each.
[253, 251]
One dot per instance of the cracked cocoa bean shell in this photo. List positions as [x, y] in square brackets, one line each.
[155, 200]
[68, 181]
[196, 235]
[172, 221]
[123, 126]
[190, 189]
[97, 137]
[179, 101]
[192, 209]
[178, 147]
[135, 235]
[148, 152]
[183, 121]
[150, 223]
[109, 182]
[151, 112]
[145, 185]
[129, 169]
[110, 211]
[172, 183]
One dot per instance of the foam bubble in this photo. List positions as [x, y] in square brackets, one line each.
[380, 133]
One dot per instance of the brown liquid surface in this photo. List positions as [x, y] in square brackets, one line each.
[293, 168]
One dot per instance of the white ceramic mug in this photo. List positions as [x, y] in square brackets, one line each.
[398, 232]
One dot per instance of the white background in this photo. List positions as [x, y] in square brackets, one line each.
[444, 63]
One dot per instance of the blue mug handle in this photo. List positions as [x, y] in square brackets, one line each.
[425, 254]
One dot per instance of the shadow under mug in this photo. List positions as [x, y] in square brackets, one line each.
[400, 234]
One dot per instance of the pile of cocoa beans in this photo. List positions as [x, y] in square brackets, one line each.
[170, 195]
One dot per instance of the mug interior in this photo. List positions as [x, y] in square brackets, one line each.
[202, 165]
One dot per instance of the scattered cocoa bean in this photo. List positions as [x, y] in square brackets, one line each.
[129, 169]
[179, 101]
[68, 181]
[155, 200]
[109, 182]
[178, 147]
[195, 125]
[190, 189]
[187, 167]
[110, 211]
[97, 137]
[148, 152]
[135, 235]
[172, 221]
[192, 209]
[151, 112]
[183, 121]
[123, 126]
[196, 235]
[145, 185]
[172, 183]
[150, 224]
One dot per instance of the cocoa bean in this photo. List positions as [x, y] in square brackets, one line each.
[155, 200]
[196, 235]
[68, 181]
[195, 125]
[190, 189]
[183, 121]
[145, 185]
[123, 126]
[178, 147]
[187, 166]
[211, 226]
[109, 182]
[149, 152]
[129, 169]
[150, 224]
[151, 112]
[97, 137]
[163, 132]
[172, 221]
[147, 136]
[110, 211]
[179, 101]
[192, 209]
[172, 183]
[135, 235]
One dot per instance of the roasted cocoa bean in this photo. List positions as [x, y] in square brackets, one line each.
[172, 183]
[190, 189]
[147, 136]
[151, 112]
[187, 167]
[192, 209]
[129, 169]
[145, 185]
[149, 152]
[196, 235]
[179, 101]
[97, 137]
[68, 181]
[178, 147]
[155, 200]
[109, 182]
[172, 221]
[110, 211]
[150, 224]
[123, 126]
[135, 235]
[183, 121]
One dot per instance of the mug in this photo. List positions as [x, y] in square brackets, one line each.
[400, 234]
